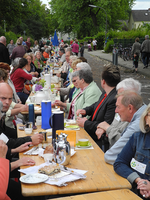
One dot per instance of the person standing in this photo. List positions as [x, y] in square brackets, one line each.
[75, 47]
[94, 42]
[28, 43]
[145, 49]
[81, 49]
[135, 53]
[4, 54]
[18, 51]
[10, 47]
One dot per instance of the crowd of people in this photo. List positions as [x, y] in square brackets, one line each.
[116, 117]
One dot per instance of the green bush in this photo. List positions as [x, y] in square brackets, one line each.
[2, 32]
[11, 36]
[109, 46]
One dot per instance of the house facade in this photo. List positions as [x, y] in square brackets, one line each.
[137, 17]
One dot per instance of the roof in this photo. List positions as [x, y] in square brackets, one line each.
[141, 15]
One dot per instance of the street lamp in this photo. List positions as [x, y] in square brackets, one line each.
[93, 6]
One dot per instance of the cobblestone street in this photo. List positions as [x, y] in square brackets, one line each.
[97, 64]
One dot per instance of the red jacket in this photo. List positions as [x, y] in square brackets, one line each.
[18, 78]
[4, 178]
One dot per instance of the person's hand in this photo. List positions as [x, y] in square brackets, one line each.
[99, 132]
[144, 186]
[81, 121]
[56, 88]
[80, 111]
[25, 161]
[58, 103]
[3, 149]
[36, 74]
[22, 147]
[32, 73]
[24, 108]
[26, 91]
[58, 74]
[37, 139]
[19, 101]
[38, 79]
[103, 125]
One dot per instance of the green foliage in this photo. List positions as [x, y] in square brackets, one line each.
[11, 36]
[109, 46]
[78, 17]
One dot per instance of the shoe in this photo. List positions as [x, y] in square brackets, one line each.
[136, 72]
[144, 67]
[133, 71]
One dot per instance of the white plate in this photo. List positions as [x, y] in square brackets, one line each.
[70, 121]
[33, 178]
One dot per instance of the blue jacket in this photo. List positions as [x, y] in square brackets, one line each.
[138, 147]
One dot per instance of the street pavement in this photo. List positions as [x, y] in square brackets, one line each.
[121, 62]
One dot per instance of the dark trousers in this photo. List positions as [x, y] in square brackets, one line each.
[23, 97]
[145, 58]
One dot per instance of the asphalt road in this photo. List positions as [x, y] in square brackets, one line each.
[97, 67]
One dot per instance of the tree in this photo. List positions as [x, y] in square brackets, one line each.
[77, 16]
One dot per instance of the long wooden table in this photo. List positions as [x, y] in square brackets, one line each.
[100, 176]
[123, 194]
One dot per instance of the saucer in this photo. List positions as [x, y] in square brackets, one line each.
[88, 146]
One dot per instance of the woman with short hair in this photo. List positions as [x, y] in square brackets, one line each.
[87, 94]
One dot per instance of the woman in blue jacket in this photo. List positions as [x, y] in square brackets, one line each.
[133, 162]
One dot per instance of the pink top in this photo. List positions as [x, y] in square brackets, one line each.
[4, 178]
[75, 48]
[18, 78]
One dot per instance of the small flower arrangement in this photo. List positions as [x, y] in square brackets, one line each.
[40, 85]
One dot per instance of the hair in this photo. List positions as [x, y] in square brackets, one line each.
[75, 62]
[22, 62]
[143, 121]
[86, 75]
[137, 39]
[3, 74]
[147, 36]
[74, 74]
[19, 41]
[37, 52]
[26, 55]
[130, 97]
[36, 42]
[130, 84]
[69, 49]
[62, 50]
[2, 39]
[5, 66]
[83, 65]
[83, 59]
[16, 62]
[111, 75]
[73, 57]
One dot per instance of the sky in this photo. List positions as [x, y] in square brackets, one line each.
[139, 4]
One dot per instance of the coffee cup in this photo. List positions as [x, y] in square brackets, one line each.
[28, 128]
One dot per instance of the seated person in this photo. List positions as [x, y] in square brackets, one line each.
[4, 171]
[114, 130]
[130, 107]
[46, 54]
[133, 161]
[62, 56]
[87, 93]
[104, 108]
[19, 76]
[6, 94]
[39, 64]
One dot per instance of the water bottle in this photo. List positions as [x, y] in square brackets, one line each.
[51, 72]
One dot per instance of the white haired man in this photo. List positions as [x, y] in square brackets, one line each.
[114, 130]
